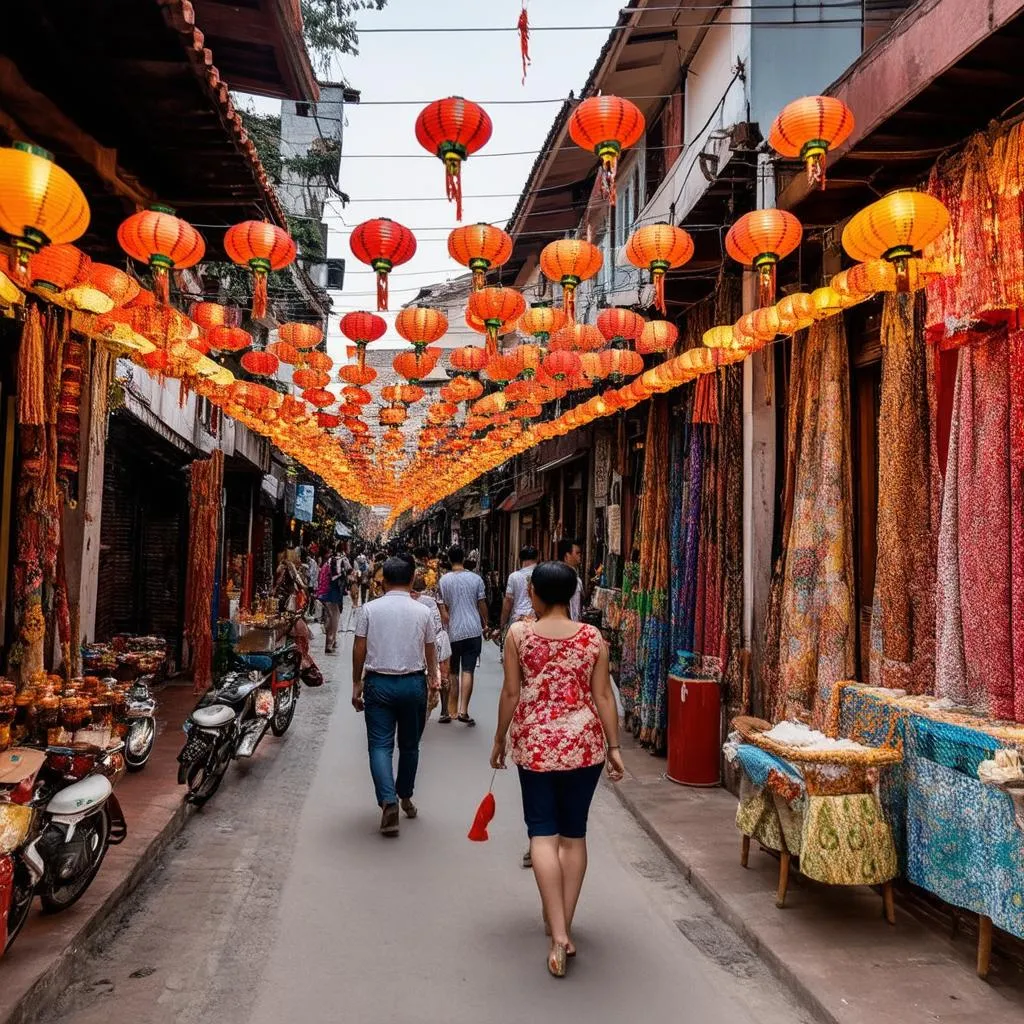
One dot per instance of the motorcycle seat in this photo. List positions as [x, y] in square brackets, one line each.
[259, 662]
[213, 716]
[237, 690]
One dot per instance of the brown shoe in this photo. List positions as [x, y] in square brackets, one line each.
[410, 808]
[389, 820]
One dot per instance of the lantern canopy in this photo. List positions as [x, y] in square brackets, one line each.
[658, 248]
[568, 262]
[760, 239]
[606, 125]
[453, 129]
[808, 128]
[382, 244]
[40, 203]
[262, 247]
[894, 228]
[166, 242]
[480, 247]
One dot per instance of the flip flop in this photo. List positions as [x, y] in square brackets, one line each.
[444, 719]
[466, 720]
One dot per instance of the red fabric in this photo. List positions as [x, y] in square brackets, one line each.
[484, 816]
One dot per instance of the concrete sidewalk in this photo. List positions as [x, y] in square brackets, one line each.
[43, 959]
[830, 945]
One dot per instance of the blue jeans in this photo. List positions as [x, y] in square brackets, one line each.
[394, 703]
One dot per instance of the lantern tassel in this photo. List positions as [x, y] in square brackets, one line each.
[453, 182]
[610, 164]
[569, 302]
[162, 285]
[524, 39]
[479, 281]
[492, 341]
[659, 291]
[705, 399]
[766, 284]
[259, 296]
[816, 169]
[382, 291]
[32, 371]
[361, 354]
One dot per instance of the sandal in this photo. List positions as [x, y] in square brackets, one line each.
[466, 720]
[556, 960]
[445, 719]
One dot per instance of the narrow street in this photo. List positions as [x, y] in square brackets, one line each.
[280, 901]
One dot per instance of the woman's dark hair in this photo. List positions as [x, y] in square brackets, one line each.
[469, 564]
[419, 583]
[456, 555]
[554, 583]
[399, 572]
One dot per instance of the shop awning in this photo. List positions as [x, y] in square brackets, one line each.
[474, 511]
[521, 500]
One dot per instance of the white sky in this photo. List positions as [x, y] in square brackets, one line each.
[429, 66]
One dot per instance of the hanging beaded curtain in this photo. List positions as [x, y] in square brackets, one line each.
[206, 477]
[903, 614]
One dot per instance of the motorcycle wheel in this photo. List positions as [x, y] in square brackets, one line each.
[284, 710]
[136, 762]
[203, 778]
[21, 904]
[56, 896]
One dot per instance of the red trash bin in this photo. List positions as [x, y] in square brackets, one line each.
[694, 731]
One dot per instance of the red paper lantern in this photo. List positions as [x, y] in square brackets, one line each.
[155, 236]
[561, 363]
[262, 247]
[421, 325]
[481, 247]
[657, 336]
[382, 244]
[540, 321]
[468, 359]
[319, 397]
[453, 129]
[617, 322]
[286, 352]
[657, 248]
[606, 125]
[259, 363]
[228, 339]
[356, 396]
[808, 128]
[578, 338]
[496, 307]
[393, 416]
[116, 284]
[302, 336]
[327, 420]
[617, 363]
[416, 365]
[211, 314]
[310, 378]
[358, 375]
[363, 328]
[55, 268]
[568, 262]
[760, 239]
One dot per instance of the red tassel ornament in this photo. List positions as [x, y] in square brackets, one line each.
[484, 816]
[524, 39]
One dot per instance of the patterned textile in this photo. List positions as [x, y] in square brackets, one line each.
[555, 726]
[818, 620]
[903, 618]
[758, 817]
[846, 841]
[955, 836]
[758, 764]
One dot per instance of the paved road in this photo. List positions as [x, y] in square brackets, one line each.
[280, 902]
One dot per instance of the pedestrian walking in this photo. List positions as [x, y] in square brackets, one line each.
[571, 553]
[394, 661]
[362, 567]
[443, 646]
[464, 614]
[516, 605]
[334, 600]
[557, 699]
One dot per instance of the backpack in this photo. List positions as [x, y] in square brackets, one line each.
[323, 583]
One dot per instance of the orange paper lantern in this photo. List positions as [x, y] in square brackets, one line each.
[259, 363]
[658, 248]
[540, 321]
[808, 128]
[115, 283]
[228, 339]
[453, 129]
[619, 323]
[301, 335]
[480, 247]
[166, 242]
[578, 338]
[568, 262]
[55, 268]
[496, 307]
[606, 125]
[760, 239]
[382, 244]
[657, 336]
[262, 247]
[421, 325]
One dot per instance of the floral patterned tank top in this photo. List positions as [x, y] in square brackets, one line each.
[556, 726]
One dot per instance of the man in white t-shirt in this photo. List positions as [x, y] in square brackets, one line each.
[516, 605]
[572, 554]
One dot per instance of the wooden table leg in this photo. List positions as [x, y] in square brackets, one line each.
[780, 898]
[745, 852]
[889, 903]
[984, 945]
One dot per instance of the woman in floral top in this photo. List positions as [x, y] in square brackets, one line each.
[558, 700]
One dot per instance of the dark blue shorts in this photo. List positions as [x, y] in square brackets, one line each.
[465, 655]
[557, 803]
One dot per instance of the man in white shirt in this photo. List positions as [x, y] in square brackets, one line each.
[464, 614]
[572, 554]
[517, 603]
[393, 662]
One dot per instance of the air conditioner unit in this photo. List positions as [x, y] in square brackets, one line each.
[336, 274]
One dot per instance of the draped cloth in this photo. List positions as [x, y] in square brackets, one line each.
[817, 611]
[981, 551]
[903, 613]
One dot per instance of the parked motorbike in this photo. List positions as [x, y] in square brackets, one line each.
[58, 816]
[141, 711]
[260, 693]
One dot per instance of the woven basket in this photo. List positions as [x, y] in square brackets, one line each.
[748, 727]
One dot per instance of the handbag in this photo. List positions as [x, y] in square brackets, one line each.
[311, 675]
